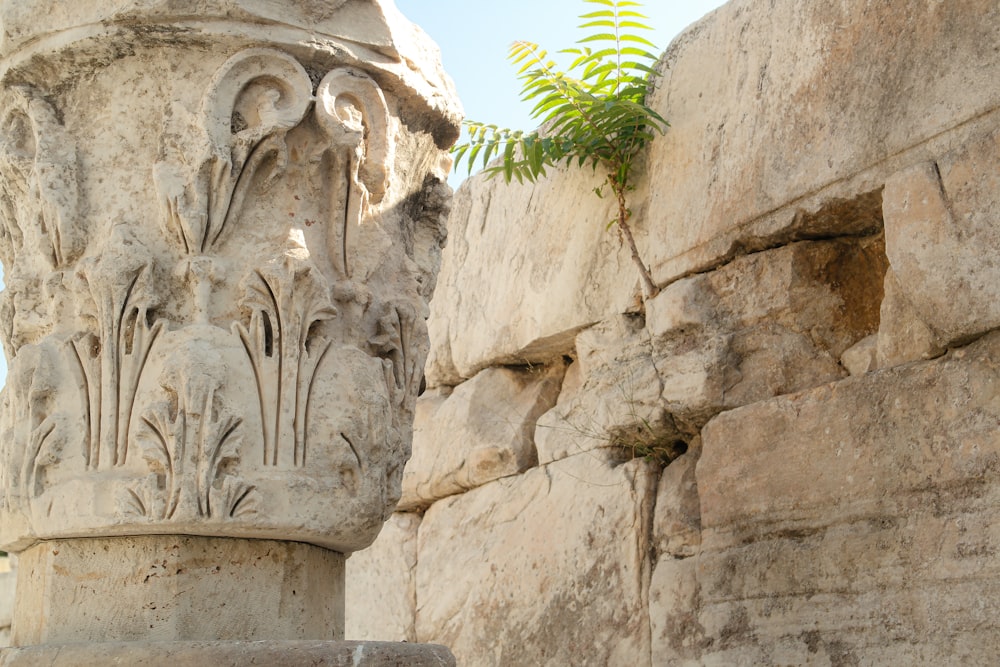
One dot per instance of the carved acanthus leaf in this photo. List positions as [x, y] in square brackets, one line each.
[121, 308]
[285, 300]
[39, 195]
[255, 98]
[188, 443]
[351, 110]
[398, 328]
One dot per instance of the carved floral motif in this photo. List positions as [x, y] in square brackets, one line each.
[190, 440]
[287, 300]
[247, 341]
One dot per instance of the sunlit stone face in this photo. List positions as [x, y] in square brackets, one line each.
[218, 260]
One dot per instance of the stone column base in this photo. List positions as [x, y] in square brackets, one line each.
[230, 654]
[160, 588]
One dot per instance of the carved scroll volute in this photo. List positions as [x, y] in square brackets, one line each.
[255, 98]
[351, 109]
[40, 197]
[256, 93]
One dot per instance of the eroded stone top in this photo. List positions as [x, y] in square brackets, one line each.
[371, 34]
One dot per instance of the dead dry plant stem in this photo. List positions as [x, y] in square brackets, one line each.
[626, 232]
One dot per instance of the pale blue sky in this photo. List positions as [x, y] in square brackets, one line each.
[474, 36]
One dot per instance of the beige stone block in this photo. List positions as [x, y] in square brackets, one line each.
[230, 654]
[8, 590]
[673, 612]
[380, 590]
[860, 443]
[942, 239]
[611, 395]
[855, 522]
[763, 325]
[480, 432]
[767, 324]
[862, 357]
[861, 589]
[830, 290]
[547, 568]
[541, 267]
[163, 588]
[771, 127]
[902, 335]
[677, 518]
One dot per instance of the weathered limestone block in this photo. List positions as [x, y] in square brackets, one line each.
[381, 584]
[546, 568]
[766, 324]
[133, 589]
[231, 654]
[674, 602]
[677, 518]
[611, 396]
[902, 335]
[541, 267]
[771, 128]
[220, 222]
[856, 520]
[862, 357]
[942, 239]
[481, 432]
[674, 592]
[8, 590]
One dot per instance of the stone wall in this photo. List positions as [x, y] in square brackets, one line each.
[817, 381]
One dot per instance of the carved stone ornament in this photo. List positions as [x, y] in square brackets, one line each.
[218, 252]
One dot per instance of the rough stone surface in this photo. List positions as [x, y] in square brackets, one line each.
[8, 589]
[862, 357]
[902, 335]
[768, 128]
[766, 324]
[548, 568]
[541, 267]
[216, 283]
[611, 395]
[674, 601]
[942, 239]
[482, 431]
[856, 520]
[677, 518]
[134, 588]
[381, 595]
[230, 654]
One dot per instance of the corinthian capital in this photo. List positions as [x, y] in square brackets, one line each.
[220, 223]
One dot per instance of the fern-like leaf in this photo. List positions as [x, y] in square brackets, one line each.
[593, 114]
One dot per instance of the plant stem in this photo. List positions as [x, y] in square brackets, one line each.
[626, 231]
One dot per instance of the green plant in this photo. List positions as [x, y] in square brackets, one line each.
[598, 117]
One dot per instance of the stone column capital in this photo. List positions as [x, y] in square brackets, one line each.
[221, 224]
